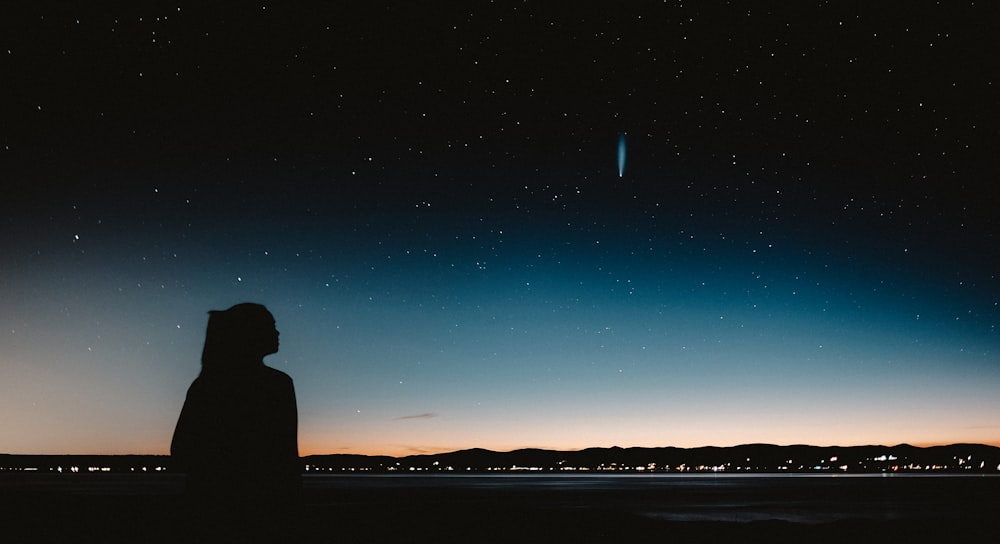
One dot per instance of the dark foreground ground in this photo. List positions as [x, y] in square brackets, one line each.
[431, 514]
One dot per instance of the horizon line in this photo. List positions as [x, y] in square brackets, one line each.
[449, 451]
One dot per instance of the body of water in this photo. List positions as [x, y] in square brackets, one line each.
[748, 497]
[674, 497]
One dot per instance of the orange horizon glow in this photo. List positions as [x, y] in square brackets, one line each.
[404, 451]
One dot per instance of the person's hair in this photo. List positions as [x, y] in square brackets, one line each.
[231, 338]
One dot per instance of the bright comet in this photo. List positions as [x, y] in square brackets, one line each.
[621, 155]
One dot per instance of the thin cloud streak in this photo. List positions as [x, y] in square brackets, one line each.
[425, 415]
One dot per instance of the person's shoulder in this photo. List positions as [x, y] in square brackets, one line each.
[197, 385]
[276, 375]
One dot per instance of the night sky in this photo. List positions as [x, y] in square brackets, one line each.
[802, 246]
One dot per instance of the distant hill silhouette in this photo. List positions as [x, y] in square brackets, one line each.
[965, 458]
[743, 458]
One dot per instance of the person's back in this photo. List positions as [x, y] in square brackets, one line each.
[236, 436]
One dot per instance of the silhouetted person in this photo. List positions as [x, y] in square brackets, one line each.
[237, 435]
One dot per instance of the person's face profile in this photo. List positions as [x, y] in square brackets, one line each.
[269, 337]
[273, 337]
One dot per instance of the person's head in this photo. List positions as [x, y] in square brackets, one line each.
[239, 337]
